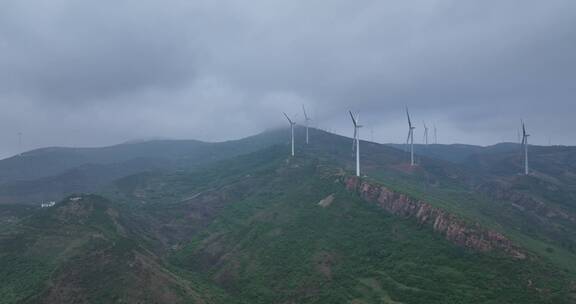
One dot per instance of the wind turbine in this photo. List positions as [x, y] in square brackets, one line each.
[356, 140]
[435, 135]
[410, 139]
[306, 121]
[525, 144]
[291, 131]
[425, 133]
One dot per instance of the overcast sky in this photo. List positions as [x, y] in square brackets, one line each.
[99, 72]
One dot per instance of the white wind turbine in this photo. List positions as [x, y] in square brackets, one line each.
[425, 133]
[291, 131]
[525, 144]
[307, 120]
[410, 139]
[356, 141]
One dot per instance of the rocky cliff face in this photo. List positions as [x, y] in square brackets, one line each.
[454, 229]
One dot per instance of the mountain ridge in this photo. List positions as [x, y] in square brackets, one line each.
[264, 227]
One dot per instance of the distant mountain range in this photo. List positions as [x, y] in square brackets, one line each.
[242, 222]
[52, 173]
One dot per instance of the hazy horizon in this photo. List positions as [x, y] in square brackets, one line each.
[279, 129]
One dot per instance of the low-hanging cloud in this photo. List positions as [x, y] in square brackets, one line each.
[100, 72]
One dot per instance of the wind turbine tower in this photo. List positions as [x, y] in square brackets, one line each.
[356, 141]
[425, 133]
[306, 122]
[525, 144]
[291, 131]
[410, 139]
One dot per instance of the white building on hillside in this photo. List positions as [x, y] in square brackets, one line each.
[48, 204]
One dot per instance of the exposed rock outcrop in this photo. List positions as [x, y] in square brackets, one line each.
[453, 228]
[327, 201]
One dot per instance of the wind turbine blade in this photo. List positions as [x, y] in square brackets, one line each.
[353, 121]
[289, 120]
[305, 114]
[408, 115]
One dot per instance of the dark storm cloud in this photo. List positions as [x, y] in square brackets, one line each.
[99, 72]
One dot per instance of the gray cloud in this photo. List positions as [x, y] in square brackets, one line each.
[73, 51]
[100, 72]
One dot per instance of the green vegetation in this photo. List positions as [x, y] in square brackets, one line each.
[79, 251]
[554, 241]
[248, 228]
[279, 246]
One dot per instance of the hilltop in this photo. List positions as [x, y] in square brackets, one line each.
[261, 227]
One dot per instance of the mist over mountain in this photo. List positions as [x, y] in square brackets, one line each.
[234, 152]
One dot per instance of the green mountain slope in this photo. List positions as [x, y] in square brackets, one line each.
[541, 205]
[263, 227]
[275, 242]
[80, 252]
[52, 173]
